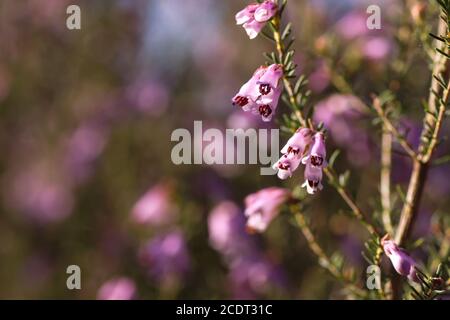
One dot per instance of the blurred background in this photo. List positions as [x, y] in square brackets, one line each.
[85, 122]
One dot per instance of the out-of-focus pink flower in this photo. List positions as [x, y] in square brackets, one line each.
[341, 115]
[261, 93]
[117, 289]
[83, 148]
[353, 25]
[149, 97]
[254, 276]
[263, 206]
[40, 197]
[319, 79]
[166, 257]
[226, 227]
[376, 48]
[154, 207]
[241, 120]
[402, 262]
[220, 225]
[314, 163]
[254, 17]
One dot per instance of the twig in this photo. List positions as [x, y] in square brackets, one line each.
[385, 179]
[421, 164]
[356, 210]
[324, 260]
[392, 129]
[287, 84]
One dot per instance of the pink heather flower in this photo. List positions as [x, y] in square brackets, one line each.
[254, 17]
[249, 92]
[253, 28]
[117, 289]
[287, 164]
[270, 90]
[313, 178]
[402, 262]
[298, 142]
[265, 11]
[318, 152]
[314, 162]
[269, 80]
[247, 14]
[261, 93]
[154, 207]
[263, 206]
[292, 153]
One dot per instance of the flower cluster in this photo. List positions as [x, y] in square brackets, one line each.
[400, 259]
[261, 93]
[309, 149]
[254, 17]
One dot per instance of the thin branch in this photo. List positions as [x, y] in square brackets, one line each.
[394, 131]
[355, 209]
[357, 212]
[286, 82]
[421, 165]
[324, 260]
[385, 179]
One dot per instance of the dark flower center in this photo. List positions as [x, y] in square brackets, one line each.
[293, 150]
[283, 166]
[240, 101]
[264, 89]
[313, 183]
[265, 110]
[316, 161]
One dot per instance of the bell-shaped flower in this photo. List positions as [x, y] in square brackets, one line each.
[298, 142]
[265, 11]
[318, 152]
[400, 259]
[266, 105]
[247, 14]
[270, 79]
[263, 206]
[255, 16]
[286, 165]
[313, 178]
[261, 93]
[249, 92]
